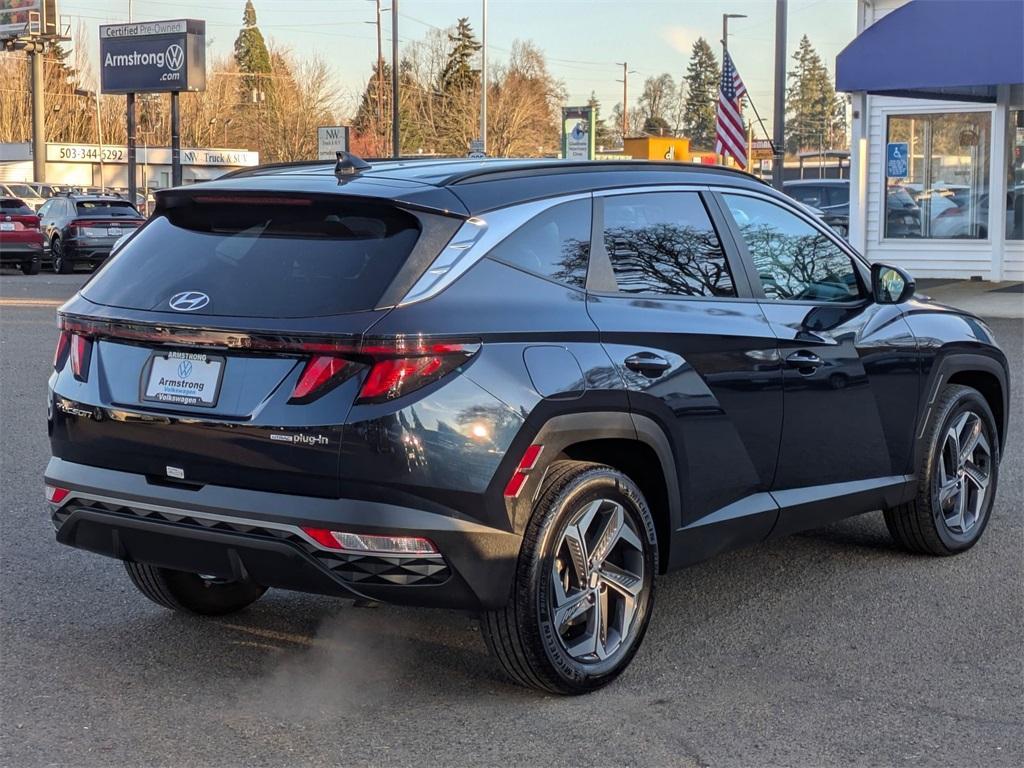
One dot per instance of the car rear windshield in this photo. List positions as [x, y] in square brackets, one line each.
[261, 257]
[106, 208]
[13, 205]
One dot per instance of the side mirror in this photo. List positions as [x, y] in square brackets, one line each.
[890, 285]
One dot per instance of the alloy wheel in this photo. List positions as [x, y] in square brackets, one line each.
[598, 582]
[965, 469]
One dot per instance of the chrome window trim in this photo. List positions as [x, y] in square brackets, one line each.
[648, 188]
[474, 240]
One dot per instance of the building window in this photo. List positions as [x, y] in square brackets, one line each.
[944, 193]
[1015, 178]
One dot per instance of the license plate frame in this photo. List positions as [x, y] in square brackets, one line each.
[191, 367]
[6, 226]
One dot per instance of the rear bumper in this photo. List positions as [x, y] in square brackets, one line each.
[229, 532]
[86, 250]
[20, 251]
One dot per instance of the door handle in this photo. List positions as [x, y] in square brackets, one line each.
[805, 362]
[647, 364]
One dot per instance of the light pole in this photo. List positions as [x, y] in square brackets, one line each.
[779, 127]
[396, 145]
[626, 72]
[725, 29]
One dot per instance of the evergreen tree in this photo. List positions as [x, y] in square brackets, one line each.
[702, 81]
[815, 117]
[458, 73]
[251, 55]
[602, 136]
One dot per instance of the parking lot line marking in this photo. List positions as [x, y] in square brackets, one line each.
[31, 302]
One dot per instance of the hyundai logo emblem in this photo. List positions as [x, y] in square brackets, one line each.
[189, 301]
[175, 56]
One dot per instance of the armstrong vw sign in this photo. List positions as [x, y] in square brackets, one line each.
[153, 56]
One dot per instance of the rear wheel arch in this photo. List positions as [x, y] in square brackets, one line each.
[635, 445]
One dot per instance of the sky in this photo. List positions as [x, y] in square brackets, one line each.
[582, 39]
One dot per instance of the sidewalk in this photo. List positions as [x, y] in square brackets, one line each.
[1004, 300]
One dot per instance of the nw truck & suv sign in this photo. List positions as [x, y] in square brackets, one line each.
[153, 57]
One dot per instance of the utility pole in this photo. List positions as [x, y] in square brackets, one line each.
[396, 146]
[626, 72]
[378, 130]
[779, 118]
[483, 81]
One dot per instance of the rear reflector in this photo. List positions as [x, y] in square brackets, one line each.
[56, 495]
[360, 542]
[518, 479]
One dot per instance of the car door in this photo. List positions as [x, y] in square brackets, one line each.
[46, 218]
[697, 356]
[850, 372]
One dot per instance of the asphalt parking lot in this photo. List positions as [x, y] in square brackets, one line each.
[829, 648]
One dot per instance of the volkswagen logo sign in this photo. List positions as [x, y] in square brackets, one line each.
[175, 56]
[189, 301]
[184, 369]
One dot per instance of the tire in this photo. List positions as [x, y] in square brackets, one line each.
[61, 264]
[523, 635]
[30, 267]
[190, 592]
[929, 523]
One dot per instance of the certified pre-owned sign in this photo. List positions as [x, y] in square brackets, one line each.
[153, 57]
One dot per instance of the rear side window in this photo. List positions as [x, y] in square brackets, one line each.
[664, 242]
[105, 208]
[838, 195]
[555, 244]
[261, 257]
[807, 195]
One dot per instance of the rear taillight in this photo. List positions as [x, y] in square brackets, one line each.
[81, 352]
[395, 369]
[322, 372]
[60, 355]
[399, 370]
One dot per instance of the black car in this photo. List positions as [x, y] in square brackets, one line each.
[82, 229]
[520, 388]
[830, 196]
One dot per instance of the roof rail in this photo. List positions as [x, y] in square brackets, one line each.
[544, 167]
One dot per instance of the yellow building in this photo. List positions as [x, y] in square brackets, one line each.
[665, 148]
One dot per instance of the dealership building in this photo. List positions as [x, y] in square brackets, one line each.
[79, 165]
[937, 144]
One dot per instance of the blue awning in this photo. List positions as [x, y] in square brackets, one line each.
[938, 49]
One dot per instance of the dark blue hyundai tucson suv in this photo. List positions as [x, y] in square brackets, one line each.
[516, 387]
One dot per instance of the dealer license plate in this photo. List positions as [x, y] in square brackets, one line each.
[184, 378]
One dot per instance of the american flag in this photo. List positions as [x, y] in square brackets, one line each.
[730, 138]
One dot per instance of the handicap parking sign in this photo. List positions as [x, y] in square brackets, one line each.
[896, 160]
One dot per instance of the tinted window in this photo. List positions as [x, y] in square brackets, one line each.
[261, 258]
[793, 259]
[807, 195]
[105, 208]
[555, 243]
[14, 205]
[664, 243]
[838, 194]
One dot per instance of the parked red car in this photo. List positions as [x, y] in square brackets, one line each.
[21, 240]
